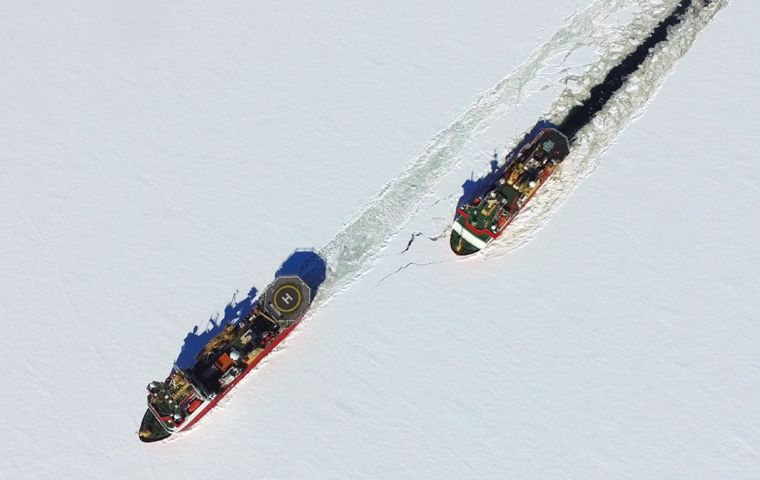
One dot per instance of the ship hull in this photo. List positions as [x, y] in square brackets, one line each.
[467, 240]
[209, 404]
[487, 216]
[187, 395]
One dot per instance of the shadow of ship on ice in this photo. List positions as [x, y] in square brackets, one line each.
[473, 188]
[306, 264]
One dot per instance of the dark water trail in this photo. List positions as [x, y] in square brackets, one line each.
[581, 115]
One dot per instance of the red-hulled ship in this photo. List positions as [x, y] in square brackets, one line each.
[178, 402]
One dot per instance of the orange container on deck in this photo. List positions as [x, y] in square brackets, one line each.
[223, 362]
[194, 405]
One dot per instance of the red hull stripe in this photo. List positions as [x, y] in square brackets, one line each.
[250, 367]
[472, 228]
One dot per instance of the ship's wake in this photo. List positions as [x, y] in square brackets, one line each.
[356, 247]
[623, 108]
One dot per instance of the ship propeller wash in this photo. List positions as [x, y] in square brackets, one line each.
[484, 218]
[178, 402]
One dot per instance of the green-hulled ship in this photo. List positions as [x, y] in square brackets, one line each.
[483, 219]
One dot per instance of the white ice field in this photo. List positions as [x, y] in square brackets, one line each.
[158, 157]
